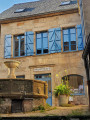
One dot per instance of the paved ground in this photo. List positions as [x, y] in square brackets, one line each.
[58, 111]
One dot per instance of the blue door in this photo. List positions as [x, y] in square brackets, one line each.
[47, 78]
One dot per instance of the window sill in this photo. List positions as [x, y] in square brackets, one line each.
[42, 54]
[76, 94]
[64, 52]
[71, 51]
[18, 57]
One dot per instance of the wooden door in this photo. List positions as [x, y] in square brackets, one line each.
[17, 106]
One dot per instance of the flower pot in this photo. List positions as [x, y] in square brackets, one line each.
[63, 99]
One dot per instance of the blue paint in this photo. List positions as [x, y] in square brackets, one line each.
[54, 40]
[80, 37]
[7, 46]
[82, 20]
[29, 43]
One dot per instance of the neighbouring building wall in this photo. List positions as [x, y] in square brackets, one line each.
[49, 63]
[0, 33]
[86, 9]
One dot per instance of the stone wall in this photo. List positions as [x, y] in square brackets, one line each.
[5, 105]
[27, 105]
[86, 9]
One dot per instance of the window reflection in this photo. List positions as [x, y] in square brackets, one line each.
[19, 45]
[69, 39]
[42, 43]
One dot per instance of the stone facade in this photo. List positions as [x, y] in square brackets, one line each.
[86, 9]
[56, 62]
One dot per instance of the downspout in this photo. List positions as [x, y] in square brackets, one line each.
[89, 82]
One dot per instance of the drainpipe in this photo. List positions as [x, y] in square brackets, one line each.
[89, 93]
[89, 83]
[87, 67]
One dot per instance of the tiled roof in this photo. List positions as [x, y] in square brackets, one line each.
[39, 7]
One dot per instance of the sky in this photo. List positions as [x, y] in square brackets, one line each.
[5, 4]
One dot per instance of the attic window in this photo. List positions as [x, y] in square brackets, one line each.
[65, 3]
[24, 10]
[19, 10]
[68, 2]
[28, 9]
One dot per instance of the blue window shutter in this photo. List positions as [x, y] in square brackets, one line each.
[54, 40]
[80, 37]
[29, 43]
[58, 39]
[7, 46]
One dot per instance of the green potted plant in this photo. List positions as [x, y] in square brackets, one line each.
[63, 92]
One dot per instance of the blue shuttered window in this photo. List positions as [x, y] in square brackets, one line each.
[80, 37]
[82, 20]
[29, 43]
[19, 46]
[7, 47]
[69, 39]
[42, 43]
[54, 40]
[46, 42]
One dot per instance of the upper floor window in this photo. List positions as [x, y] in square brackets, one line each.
[42, 43]
[46, 42]
[19, 46]
[69, 39]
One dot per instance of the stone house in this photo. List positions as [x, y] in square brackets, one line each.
[46, 37]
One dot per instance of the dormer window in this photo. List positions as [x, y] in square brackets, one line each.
[68, 2]
[24, 10]
[28, 9]
[19, 10]
[65, 3]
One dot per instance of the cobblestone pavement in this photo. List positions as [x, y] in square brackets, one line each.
[58, 111]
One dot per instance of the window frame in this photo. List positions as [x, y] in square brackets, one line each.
[69, 38]
[41, 32]
[19, 45]
[20, 76]
[83, 84]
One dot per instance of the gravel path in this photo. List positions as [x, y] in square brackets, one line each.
[59, 111]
